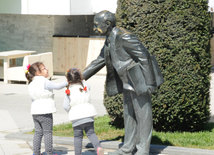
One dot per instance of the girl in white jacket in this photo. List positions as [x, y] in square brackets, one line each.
[81, 111]
[43, 105]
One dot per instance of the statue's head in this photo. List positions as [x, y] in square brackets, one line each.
[104, 21]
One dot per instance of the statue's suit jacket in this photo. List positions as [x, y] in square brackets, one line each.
[122, 51]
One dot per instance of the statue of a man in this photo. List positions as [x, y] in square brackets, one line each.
[129, 71]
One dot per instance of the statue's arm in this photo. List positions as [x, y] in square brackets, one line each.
[140, 54]
[94, 66]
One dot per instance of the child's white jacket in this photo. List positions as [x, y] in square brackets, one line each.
[43, 99]
[80, 106]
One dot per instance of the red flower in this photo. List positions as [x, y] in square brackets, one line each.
[67, 91]
[27, 67]
[85, 88]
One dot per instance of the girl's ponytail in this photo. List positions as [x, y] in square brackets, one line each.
[73, 75]
[29, 77]
[31, 70]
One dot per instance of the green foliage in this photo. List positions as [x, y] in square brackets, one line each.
[176, 32]
[203, 139]
[114, 106]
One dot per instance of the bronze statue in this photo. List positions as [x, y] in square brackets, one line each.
[131, 71]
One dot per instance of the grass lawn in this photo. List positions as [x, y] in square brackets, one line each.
[203, 139]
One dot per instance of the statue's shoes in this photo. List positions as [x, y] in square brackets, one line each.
[119, 152]
[141, 153]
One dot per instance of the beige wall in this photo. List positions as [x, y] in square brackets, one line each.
[70, 52]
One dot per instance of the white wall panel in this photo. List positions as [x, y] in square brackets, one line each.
[99, 5]
[211, 5]
[10, 6]
[81, 7]
[49, 7]
[57, 7]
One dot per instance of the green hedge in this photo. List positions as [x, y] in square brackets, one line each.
[114, 106]
[176, 32]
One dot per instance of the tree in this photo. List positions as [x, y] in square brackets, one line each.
[176, 32]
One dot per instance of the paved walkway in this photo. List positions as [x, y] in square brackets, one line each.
[15, 120]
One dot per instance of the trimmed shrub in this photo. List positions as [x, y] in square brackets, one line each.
[176, 32]
[114, 106]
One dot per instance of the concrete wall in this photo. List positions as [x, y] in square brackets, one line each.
[35, 32]
[78, 25]
[26, 32]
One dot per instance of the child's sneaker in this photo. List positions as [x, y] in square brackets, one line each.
[100, 151]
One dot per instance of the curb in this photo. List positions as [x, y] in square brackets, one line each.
[156, 149]
[63, 140]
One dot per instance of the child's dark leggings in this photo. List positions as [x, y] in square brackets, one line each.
[78, 136]
[43, 126]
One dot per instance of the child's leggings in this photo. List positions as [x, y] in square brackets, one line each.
[78, 136]
[43, 126]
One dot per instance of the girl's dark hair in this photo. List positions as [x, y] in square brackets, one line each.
[73, 75]
[32, 71]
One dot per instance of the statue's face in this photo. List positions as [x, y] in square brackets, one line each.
[100, 27]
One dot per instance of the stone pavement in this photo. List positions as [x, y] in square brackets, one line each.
[15, 120]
